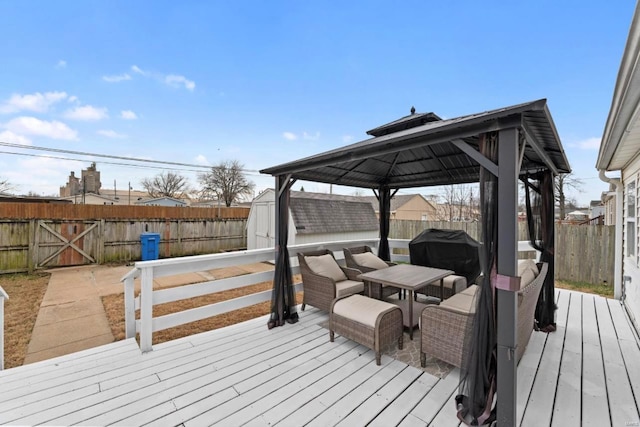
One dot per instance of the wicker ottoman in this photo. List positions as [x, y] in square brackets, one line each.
[367, 321]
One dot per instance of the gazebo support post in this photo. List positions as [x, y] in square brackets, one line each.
[282, 298]
[384, 202]
[507, 310]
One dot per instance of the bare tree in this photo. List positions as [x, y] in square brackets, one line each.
[166, 184]
[226, 182]
[562, 183]
[6, 186]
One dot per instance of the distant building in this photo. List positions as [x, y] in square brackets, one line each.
[162, 201]
[407, 206]
[596, 209]
[91, 199]
[89, 183]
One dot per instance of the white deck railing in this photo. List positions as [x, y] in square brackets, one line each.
[147, 271]
[3, 296]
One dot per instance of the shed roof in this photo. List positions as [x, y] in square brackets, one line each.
[317, 213]
[434, 153]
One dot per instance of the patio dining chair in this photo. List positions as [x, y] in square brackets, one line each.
[363, 259]
[324, 280]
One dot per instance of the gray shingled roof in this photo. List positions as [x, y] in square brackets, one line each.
[315, 213]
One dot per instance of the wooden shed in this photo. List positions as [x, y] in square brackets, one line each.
[313, 217]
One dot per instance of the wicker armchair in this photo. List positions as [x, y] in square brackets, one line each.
[323, 280]
[378, 291]
[446, 326]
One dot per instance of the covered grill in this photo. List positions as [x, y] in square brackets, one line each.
[449, 249]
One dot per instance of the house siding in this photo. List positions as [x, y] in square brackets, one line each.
[630, 263]
[414, 210]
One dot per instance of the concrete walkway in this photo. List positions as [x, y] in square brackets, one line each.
[71, 317]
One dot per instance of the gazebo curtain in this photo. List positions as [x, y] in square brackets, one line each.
[283, 302]
[477, 386]
[541, 227]
[384, 200]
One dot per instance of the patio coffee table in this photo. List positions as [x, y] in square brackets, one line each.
[410, 277]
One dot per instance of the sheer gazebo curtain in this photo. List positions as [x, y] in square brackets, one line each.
[478, 377]
[283, 299]
[541, 228]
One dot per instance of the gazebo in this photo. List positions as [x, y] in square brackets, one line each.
[496, 148]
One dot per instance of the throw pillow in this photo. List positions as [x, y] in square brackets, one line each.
[325, 265]
[367, 259]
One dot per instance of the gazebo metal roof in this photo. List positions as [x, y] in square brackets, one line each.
[434, 153]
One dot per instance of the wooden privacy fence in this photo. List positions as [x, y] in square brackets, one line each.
[584, 253]
[71, 211]
[65, 237]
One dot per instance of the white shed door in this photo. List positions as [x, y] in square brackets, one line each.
[265, 230]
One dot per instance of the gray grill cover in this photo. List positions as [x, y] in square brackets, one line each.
[449, 249]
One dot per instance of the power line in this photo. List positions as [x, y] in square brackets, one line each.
[109, 156]
[102, 162]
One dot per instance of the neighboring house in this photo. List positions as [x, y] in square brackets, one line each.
[577, 216]
[162, 201]
[620, 151]
[10, 198]
[124, 196]
[92, 199]
[407, 206]
[609, 202]
[596, 209]
[313, 217]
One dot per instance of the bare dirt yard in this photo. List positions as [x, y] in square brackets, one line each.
[21, 310]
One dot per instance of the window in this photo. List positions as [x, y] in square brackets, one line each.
[423, 217]
[631, 219]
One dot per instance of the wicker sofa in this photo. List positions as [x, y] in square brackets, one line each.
[445, 326]
[363, 259]
[323, 280]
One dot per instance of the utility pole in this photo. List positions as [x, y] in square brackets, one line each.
[129, 192]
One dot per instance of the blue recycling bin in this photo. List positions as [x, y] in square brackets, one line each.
[150, 246]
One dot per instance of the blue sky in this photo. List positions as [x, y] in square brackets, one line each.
[269, 82]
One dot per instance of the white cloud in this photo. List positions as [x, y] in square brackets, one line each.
[347, 139]
[310, 137]
[128, 115]
[590, 144]
[86, 113]
[110, 134]
[116, 78]
[137, 69]
[73, 99]
[290, 136]
[177, 81]
[32, 126]
[173, 80]
[36, 102]
[61, 64]
[14, 138]
[201, 160]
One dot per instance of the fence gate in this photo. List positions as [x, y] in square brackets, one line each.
[60, 243]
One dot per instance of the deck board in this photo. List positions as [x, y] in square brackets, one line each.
[622, 407]
[594, 387]
[539, 408]
[567, 409]
[586, 373]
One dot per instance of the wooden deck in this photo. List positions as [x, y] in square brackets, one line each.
[586, 373]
